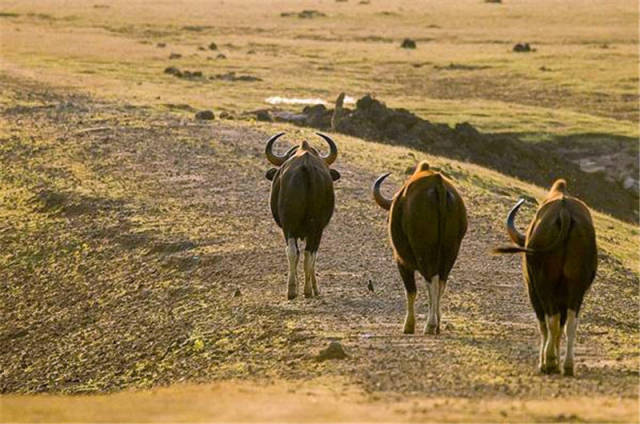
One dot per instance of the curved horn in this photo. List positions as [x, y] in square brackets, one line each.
[377, 196]
[290, 152]
[517, 237]
[273, 158]
[333, 149]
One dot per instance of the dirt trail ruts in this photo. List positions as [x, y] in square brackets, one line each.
[155, 223]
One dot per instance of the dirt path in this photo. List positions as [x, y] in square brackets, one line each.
[127, 232]
[328, 400]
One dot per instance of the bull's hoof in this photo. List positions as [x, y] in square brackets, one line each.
[568, 371]
[291, 295]
[308, 294]
[550, 369]
[409, 327]
[431, 329]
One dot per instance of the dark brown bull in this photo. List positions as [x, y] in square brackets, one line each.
[302, 202]
[559, 265]
[427, 222]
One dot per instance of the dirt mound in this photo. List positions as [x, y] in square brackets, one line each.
[333, 351]
[539, 164]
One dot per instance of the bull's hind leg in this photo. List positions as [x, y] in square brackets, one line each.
[553, 344]
[293, 255]
[409, 279]
[434, 306]
[544, 335]
[443, 286]
[572, 327]
[542, 325]
[310, 283]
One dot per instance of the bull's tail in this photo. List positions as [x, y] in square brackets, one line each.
[565, 224]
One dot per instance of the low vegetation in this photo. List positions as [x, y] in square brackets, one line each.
[137, 245]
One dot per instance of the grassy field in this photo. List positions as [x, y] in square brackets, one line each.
[127, 228]
[583, 77]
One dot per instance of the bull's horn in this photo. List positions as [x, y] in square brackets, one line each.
[272, 157]
[377, 196]
[333, 149]
[517, 237]
[290, 152]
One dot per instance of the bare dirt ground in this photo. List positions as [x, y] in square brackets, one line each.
[318, 400]
[126, 232]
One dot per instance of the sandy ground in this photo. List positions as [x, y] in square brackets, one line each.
[312, 401]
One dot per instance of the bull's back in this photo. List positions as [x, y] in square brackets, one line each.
[574, 259]
[305, 200]
[433, 227]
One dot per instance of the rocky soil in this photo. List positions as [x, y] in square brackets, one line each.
[138, 250]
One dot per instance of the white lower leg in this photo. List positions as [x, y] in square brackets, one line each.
[542, 325]
[314, 280]
[572, 326]
[410, 319]
[553, 343]
[443, 286]
[310, 286]
[434, 305]
[292, 255]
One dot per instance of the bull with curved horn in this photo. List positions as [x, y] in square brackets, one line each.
[559, 264]
[427, 221]
[302, 201]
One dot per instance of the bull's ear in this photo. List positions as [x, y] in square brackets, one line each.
[271, 173]
[335, 175]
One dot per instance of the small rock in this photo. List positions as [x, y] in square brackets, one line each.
[175, 56]
[251, 52]
[225, 115]
[221, 56]
[201, 48]
[172, 70]
[308, 14]
[205, 115]
[493, 1]
[161, 45]
[333, 351]
[631, 184]
[264, 115]
[213, 46]
[522, 48]
[237, 293]
[408, 43]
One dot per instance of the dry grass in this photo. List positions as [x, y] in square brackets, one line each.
[121, 246]
[123, 250]
[589, 49]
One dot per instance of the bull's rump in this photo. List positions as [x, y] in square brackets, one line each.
[305, 200]
[562, 275]
[426, 230]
